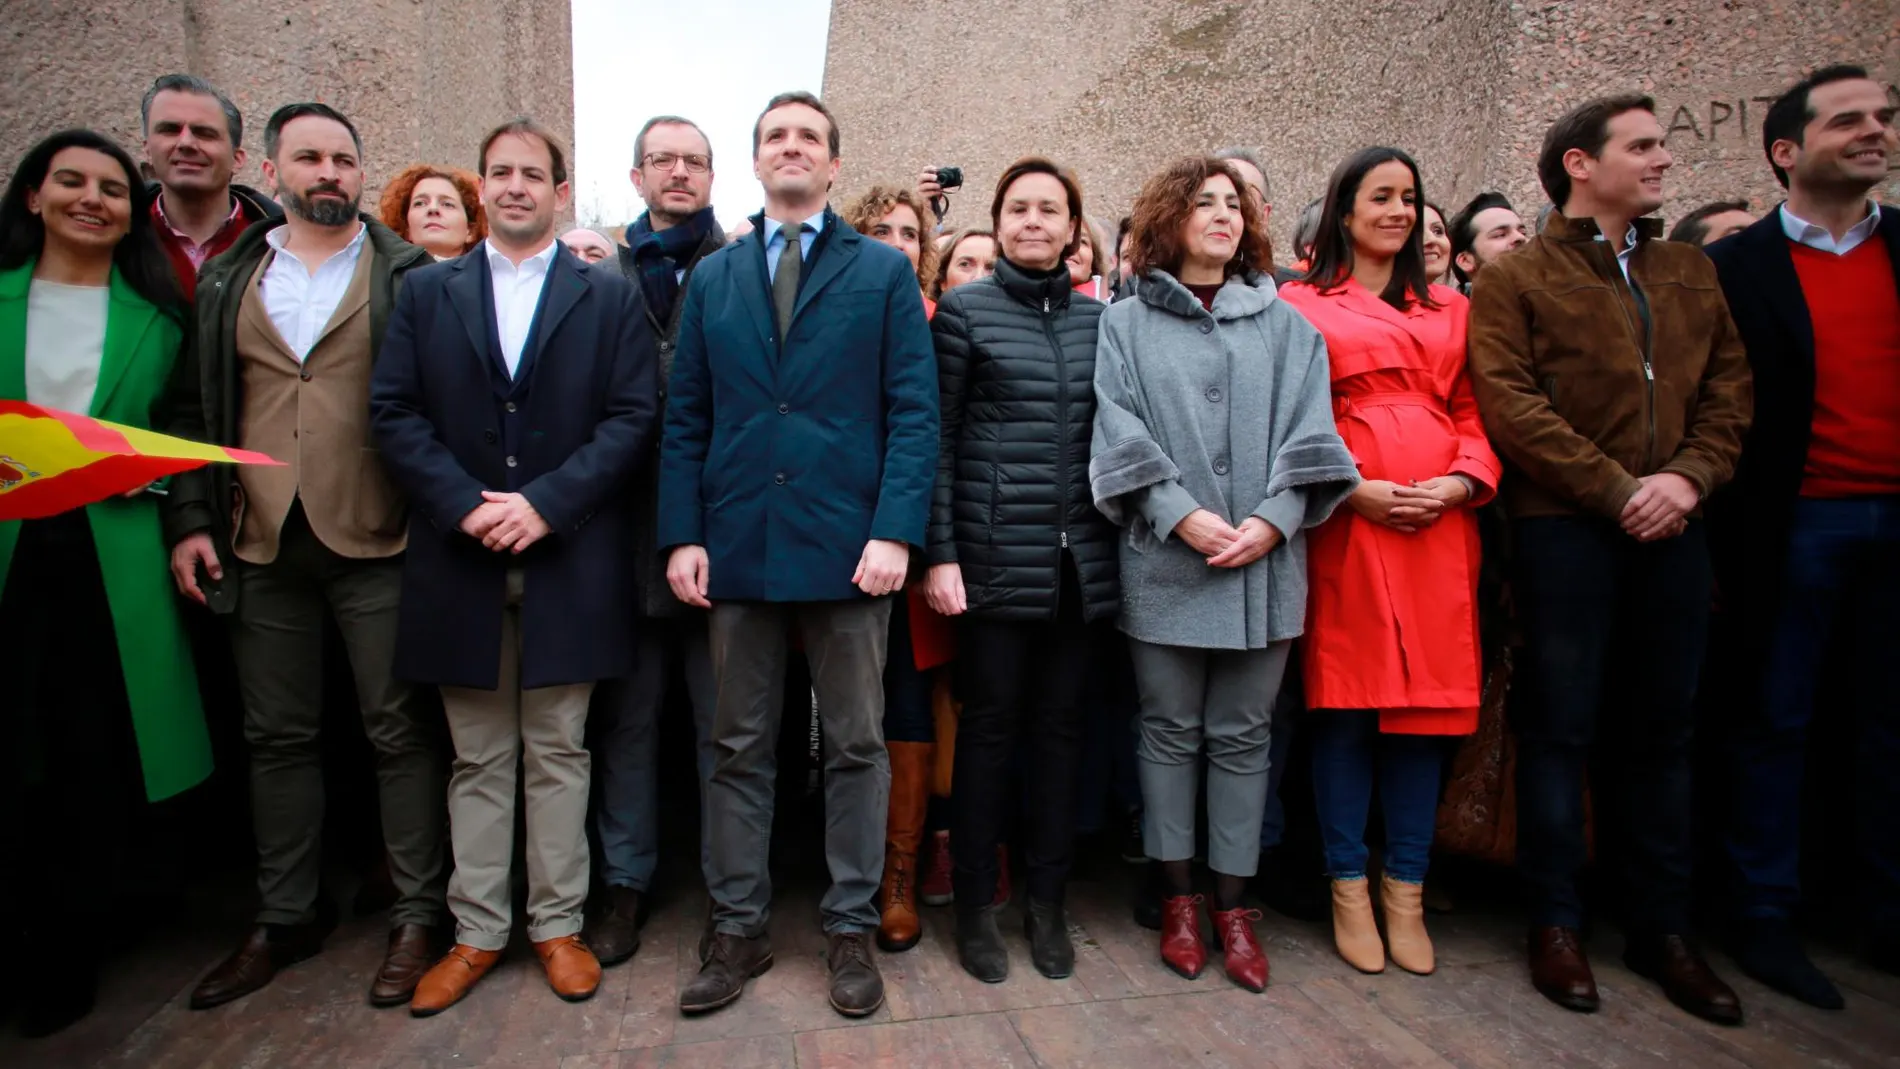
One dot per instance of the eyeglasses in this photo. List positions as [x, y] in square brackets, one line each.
[665, 161]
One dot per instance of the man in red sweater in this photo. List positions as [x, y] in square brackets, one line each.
[194, 142]
[1808, 534]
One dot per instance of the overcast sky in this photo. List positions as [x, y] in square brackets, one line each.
[715, 62]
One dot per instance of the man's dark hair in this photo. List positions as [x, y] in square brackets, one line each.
[191, 83]
[1694, 227]
[526, 127]
[640, 139]
[284, 116]
[1789, 116]
[797, 96]
[1585, 127]
[1464, 228]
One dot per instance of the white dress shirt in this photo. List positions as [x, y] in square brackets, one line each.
[1629, 250]
[1802, 232]
[517, 292]
[65, 343]
[301, 301]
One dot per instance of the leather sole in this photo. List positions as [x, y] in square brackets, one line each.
[582, 997]
[1183, 973]
[857, 1011]
[609, 962]
[388, 1002]
[726, 1000]
[1572, 1002]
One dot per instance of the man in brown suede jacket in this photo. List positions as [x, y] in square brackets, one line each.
[1613, 383]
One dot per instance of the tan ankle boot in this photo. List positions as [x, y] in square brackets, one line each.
[1354, 931]
[1405, 935]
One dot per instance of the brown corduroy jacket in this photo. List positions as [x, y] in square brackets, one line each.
[1588, 382]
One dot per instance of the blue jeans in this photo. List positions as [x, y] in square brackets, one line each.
[1843, 566]
[1288, 712]
[1350, 755]
[1591, 599]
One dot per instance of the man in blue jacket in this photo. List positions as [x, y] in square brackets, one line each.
[795, 476]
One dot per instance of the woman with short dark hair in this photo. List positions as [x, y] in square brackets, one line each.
[103, 713]
[1019, 555]
[1391, 658]
[1214, 446]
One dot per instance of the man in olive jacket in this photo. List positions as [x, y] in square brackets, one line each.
[1614, 385]
[289, 322]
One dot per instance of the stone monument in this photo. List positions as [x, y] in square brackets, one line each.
[1115, 90]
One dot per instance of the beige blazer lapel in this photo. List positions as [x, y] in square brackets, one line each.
[355, 299]
[254, 317]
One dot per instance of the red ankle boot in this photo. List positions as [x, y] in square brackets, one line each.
[1246, 959]
[1181, 946]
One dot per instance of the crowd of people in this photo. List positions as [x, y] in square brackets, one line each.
[1019, 493]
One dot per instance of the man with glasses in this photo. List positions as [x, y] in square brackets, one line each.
[672, 173]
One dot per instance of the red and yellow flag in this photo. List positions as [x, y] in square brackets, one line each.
[53, 461]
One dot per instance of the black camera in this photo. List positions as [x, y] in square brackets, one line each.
[950, 178]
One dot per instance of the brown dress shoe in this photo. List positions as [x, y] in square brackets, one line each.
[857, 989]
[573, 970]
[411, 948]
[453, 977]
[266, 949]
[1685, 977]
[729, 962]
[1559, 970]
[613, 933]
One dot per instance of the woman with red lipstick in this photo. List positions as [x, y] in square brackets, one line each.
[438, 208]
[1390, 660]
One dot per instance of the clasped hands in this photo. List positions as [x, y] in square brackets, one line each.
[1660, 507]
[1408, 509]
[1224, 545]
[504, 522]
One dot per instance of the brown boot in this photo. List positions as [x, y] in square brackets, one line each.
[452, 978]
[573, 971]
[1354, 931]
[899, 928]
[1405, 936]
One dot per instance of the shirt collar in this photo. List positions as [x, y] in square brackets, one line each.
[278, 237]
[1802, 232]
[773, 226]
[540, 261]
[1630, 237]
[158, 209]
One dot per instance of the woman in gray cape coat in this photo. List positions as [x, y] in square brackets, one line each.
[1215, 448]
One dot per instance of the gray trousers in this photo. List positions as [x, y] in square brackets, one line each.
[845, 642]
[626, 723]
[277, 643]
[1213, 702]
[543, 731]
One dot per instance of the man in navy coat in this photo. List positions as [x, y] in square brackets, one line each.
[514, 398]
[795, 477]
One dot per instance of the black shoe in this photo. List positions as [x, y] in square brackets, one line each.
[613, 932]
[857, 989]
[1050, 948]
[1148, 896]
[732, 960]
[980, 945]
[1281, 883]
[1769, 950]
[1132, 851]
[1684, 976]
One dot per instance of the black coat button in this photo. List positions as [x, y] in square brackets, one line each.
[304, 376]
[782, 409]
[779, 478]
[489, 437]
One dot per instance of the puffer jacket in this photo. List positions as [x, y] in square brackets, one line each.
[1016, 367]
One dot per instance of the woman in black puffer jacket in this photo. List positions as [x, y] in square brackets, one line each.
[1019, 554]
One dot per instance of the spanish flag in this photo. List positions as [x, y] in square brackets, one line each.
[53, 461]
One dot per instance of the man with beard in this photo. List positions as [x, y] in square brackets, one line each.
[289, 322]
[193, 143]
[1485, 229]
[514, 399]
[673, 174]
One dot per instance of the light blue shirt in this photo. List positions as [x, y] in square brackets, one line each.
[774, 241]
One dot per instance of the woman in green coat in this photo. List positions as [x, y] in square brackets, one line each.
[101, 711]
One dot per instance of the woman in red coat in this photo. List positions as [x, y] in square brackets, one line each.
[1391, 651]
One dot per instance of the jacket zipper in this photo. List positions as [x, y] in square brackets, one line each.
[1643, 343]
[1062, 445]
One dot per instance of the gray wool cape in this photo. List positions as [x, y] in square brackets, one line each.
[1230, 411]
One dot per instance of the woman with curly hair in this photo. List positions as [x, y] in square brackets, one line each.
[438, 208]
[1214, 446]
[899, 218]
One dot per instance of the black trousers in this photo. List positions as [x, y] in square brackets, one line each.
[71, 789]
[1018, 677]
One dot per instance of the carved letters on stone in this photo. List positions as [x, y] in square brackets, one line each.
[1728, 123]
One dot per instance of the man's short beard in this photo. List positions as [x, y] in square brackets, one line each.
[322, 211]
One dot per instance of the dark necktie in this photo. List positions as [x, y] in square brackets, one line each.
[785, 281]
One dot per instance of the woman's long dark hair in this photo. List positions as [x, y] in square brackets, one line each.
[1332, 248]
[139, 258]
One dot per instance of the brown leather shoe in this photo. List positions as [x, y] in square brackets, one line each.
[857, 989]
[573, 970]
[729, 962]
[412, 947]
[266, 949]
[1685, 977]
[1559, 970]
[451, 978]
[613, 932]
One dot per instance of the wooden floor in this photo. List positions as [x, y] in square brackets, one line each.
[1121, 1009]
